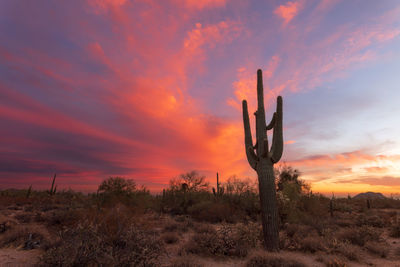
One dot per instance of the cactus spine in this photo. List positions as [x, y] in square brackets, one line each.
[262, 160]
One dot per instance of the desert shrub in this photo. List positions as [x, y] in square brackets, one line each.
[23, 217]
[112, 223]
[359, 236]
[203, 228]
[203, 244]
[271, 260]
[290, 189]
[296, 205]
[212, 212]
[314, 204]
[335, 263]
[386, 203]
[242, 196]
[395, 230]
[186, 225]
[370, 220]
[28, 208]
[59, 217]
[120, 190]
[170, 238]
[350, 251]
[228, 240]
[137, 248]
[249, 233]
[291, 229]
[86, 245]
[180, 218]
[301, 237]
[342, 206]
[287, 175]
[24, 237]
[304, 231]
[117, 186]
[191, 182]
[6, 225]
[79, 246]
[377, 248]
[344, 222]
[312, 244]
[185, 261]
[171, 226]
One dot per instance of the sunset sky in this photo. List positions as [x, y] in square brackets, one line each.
[148, 89]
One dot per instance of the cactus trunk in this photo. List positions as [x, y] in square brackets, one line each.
[269, 212]
[262, 160]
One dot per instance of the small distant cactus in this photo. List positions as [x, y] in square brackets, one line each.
[220, 190]
[331, 207]
[53, 189]
[368, 204]
[28, 193]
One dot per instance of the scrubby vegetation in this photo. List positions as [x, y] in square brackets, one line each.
[122, 224]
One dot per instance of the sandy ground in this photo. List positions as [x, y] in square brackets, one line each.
[14, 257]
[17, 257]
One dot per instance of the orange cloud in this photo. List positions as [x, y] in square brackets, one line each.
[245, 86]
[288, 11]
[377, 169]
[350, 172]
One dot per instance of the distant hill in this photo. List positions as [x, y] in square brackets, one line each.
[369, 195]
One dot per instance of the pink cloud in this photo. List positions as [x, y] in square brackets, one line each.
[202, 4]
[288, 11]
[105, 4]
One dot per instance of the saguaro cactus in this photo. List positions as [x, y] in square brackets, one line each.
[220, 190]
[262, 160]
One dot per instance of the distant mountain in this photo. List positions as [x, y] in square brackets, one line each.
[369, 195]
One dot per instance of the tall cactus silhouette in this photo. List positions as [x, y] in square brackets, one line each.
[262, 160]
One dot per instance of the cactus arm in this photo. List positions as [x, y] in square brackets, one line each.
[255, 146]
[277, 139]
[248, 140]
[272, 123]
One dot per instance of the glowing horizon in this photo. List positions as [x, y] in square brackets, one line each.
[149, 89]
